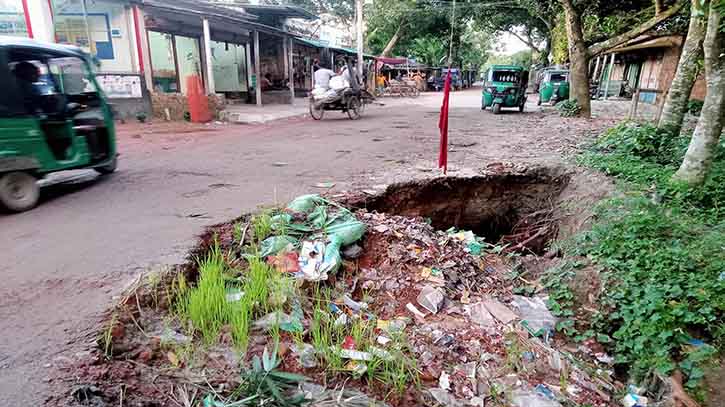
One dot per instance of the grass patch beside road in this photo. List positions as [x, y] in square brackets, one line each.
[662, 249]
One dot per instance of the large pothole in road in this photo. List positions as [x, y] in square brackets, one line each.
[511, 207]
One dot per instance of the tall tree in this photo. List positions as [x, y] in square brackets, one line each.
[675, 107]
[709, 128]
[580, 54]
[531, 21]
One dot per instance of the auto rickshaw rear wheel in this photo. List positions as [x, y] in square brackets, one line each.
[496, 108]
[19, 191]
[354, 108]
[108, 168]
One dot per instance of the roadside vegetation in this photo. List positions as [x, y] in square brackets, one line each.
[234, 298]
[660, 249]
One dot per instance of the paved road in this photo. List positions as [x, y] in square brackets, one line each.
[62, 262]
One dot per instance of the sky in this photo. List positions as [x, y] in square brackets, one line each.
[508, 44]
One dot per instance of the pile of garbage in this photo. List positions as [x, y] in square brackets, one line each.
[439, 303]
[473, 340]
[320, 227]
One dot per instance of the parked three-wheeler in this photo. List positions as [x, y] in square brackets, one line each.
[53, 117]
[554, 86]
[505, 86]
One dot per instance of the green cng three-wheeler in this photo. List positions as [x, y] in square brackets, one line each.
[505, 86]
[554, 86]
[53, 117]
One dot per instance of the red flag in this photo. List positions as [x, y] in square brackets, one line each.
[443, 125]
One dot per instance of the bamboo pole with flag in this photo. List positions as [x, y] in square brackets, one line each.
[443, 119]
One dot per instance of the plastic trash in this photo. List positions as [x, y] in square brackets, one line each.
[431, 299]
[528, 398]
[357, 368]
[348, 343]
[354, 305]
[545, 391]
[480, 315]
[275, 244]
[286, 322]
[499, 311]
[315, 262]
[444, 398]
[355, 355]
[383, 340]
[634, 400]
[535, 315]
[414, 310]
[340, 321]
[444, 381]
[285, 262]
[346, 233]
[305, 354]
[305, 203]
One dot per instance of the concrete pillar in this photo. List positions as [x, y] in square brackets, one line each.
[141, 47]
[291, 69]
[130, 31]
[609, 76]
[39, 18]
[257, 68]
[285, 54]
[210, 88]
[248, 58]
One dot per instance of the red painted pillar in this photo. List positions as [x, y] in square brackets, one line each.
[28, 24]
[137, 30]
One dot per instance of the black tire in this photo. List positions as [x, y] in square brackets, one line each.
[354, 108]
[19, 191]
[316, 112]
[521, 108]
[538, 102]
[108, 168]
[483, 107]
[496, 108]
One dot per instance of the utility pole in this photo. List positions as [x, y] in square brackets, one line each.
[359, 15]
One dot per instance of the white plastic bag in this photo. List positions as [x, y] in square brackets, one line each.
[339, 83]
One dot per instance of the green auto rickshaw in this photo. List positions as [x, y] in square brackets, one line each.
[554, 86]
[53, 117]
[505, 86]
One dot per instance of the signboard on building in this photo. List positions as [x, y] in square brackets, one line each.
[117, 86]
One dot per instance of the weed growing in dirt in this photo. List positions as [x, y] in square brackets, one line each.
[262, 226]
[264, 385]
[661, 246]
[206, 304]
[106, 339]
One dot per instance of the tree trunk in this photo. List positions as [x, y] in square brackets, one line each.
[673, 112]
[709, 128]
[393, 40]
[579, 58]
